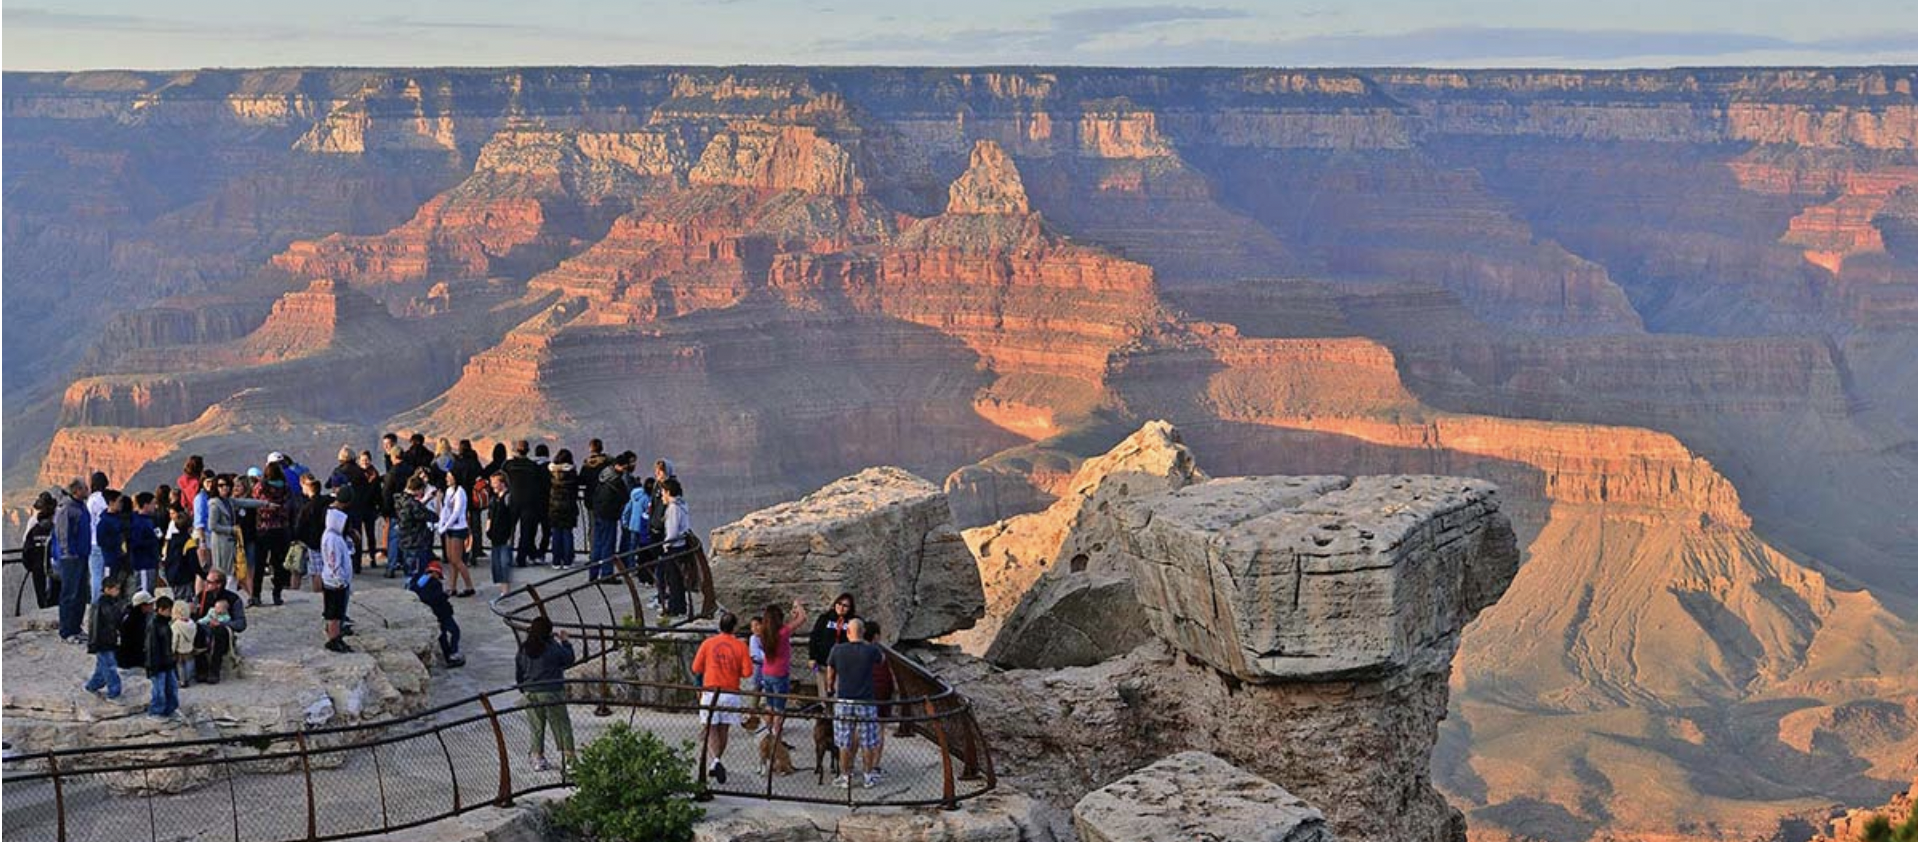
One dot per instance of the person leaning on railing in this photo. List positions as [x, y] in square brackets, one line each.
[539, 670]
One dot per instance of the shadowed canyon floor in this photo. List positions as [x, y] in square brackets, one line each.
[1673, 314]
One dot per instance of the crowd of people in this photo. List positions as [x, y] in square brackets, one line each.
[119, 565]
[163, 580]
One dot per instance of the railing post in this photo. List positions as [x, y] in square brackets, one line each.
[705, 743]
[538, 603]
[59, 800]
[306, 769]
[499, 742]
[945, 756]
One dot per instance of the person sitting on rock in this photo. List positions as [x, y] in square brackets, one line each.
[186, 640]
[222, 615]
[103, 640]
[430, 587]
[132, 652]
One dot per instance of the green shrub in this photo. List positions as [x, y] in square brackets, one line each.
[632, 787]
[1878, 828]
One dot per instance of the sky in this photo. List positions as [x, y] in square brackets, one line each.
[180, 34]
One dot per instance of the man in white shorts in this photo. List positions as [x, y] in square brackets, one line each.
[722, 662]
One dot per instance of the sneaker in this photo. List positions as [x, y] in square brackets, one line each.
[541, 765]
[877, 774]
[389, 573]
[872, 780]
[719, 771]
[841, 782]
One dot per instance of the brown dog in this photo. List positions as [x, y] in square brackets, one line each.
[823, 746]
[776, 755]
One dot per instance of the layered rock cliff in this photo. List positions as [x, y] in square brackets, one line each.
[1671, 313]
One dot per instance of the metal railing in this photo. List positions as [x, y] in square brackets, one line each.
[375, 778]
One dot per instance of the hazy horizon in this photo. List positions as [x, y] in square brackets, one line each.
[215, 34]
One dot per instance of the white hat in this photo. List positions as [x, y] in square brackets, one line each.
[275, 456]
[142, 598]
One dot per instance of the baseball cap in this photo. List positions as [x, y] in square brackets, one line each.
[275, 456]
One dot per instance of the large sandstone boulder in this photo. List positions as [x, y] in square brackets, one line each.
[1305, 628]
[883, 534]
[1288, 578]
[1057, 591]
[1196, 796]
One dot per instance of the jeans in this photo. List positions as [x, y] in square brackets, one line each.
[166, 693]
[563, 547]
[549, 709]
[672, 581]
[106, 674]
[395, 560]
[529, 523]
[74, 595]
[502, 562]
[605, 546]
[449, 632]
[416, 560]
[271, 561]
[96, 569]
[146, 578]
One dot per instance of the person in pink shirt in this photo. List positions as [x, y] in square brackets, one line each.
[775, 679]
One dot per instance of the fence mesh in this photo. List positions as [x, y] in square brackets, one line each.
[374, 778]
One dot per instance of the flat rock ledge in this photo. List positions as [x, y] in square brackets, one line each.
[1196, 797]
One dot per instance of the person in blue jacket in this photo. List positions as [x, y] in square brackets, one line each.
[143, 542]
[110, 535]
[71, 545]
[430, 587]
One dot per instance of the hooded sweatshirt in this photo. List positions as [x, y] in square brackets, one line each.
[336, 554]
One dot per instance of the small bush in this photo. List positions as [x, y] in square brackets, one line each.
[633, 787]
[1878, 828]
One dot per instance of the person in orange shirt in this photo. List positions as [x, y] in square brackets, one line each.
[722, 662]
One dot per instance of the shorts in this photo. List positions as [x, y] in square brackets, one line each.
[776, 688]
[461, 533]
[333, 603]
[707, 716]
[860, 718]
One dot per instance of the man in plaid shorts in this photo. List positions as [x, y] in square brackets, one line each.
[855, 725]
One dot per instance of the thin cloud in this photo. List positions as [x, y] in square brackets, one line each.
[1061, 33]
[1061, 44]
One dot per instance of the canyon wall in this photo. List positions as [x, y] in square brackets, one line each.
[1672, 314]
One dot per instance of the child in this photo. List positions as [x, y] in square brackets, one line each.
[499, 532]
[143, 543]
[160, 663]
[336, 575]
[431, 589]
[185, 634]
[103, 639]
